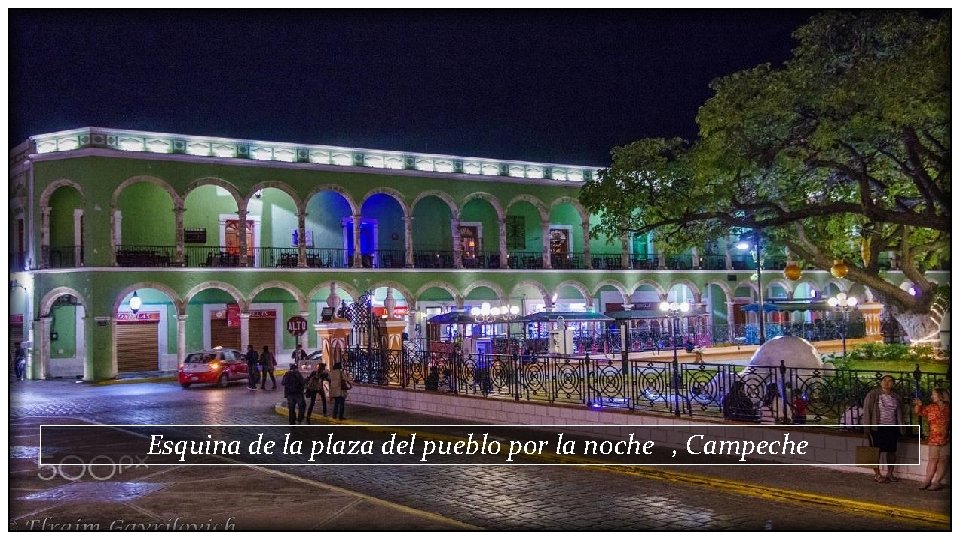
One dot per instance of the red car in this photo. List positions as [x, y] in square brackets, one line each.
[218, 366]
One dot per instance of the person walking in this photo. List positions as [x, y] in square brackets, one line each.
[882, 418]
[340, 382]
[252, 359]
[19, 361]
[293, 386]
[314, 386]
[737, 405]
[267, 364]
[937, 414]
[299, 355]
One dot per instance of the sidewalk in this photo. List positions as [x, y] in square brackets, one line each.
[831, 489]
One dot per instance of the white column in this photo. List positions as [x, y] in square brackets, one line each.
[728, 259]
[77, 237]
[457, 260]
[357, 258]
[242, 231]
[44, 352]
[624, 250]
[178, 235]
[45, 237]
[244, 330]
[117, 232]
[694, 258]
[502, 233]
[588, 261]
[408, 241]
[181, 339]
[301, 239]
[545, 225]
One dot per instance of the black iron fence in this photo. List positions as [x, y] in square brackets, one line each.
[64, 256]
[777, 394]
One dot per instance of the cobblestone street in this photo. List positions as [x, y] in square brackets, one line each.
[388, 498]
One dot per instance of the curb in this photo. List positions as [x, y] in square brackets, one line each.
[167, 378]
[739, 488]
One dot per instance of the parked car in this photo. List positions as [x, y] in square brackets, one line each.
[217, 366]
[312, 362]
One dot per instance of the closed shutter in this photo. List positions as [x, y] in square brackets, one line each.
[223, 336]
[263, 332]
[137, 347]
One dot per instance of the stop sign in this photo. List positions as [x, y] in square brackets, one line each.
[296, 325]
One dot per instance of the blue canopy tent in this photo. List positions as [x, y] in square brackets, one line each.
[768, 307]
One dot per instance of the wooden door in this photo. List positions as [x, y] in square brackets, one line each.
[231, 236]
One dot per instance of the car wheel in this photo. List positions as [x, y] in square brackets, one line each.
[185, 385]
[222, 382]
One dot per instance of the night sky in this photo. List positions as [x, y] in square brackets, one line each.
[552, 86]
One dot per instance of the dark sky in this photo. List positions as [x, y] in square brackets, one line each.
[555, 86]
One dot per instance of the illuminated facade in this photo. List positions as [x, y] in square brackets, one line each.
[222, 240]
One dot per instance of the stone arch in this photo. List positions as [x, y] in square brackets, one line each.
[351, 290]
[656, 286]
[537, 203]
[225, 287]
[574, 203]
[697, 293]
[277, 284]
[439, 285]
[454, 210]
[407, 210]
[724, 287]
[162, 184]
[214, 181]
[747, 283]
[810, 283]
[527, 283]
[54, 186]
[587, 297]
[405, 292]
[615, 284]
[354, 208]
[179, 304]
[282, 186]
[494, 202]
[783, 282]
[498, 290]
[46, 304]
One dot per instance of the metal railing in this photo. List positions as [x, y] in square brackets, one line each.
[430, 258]
[525, 260]
[389, 258]
[482, 259]
[648, 262]
[566, 261]
[777, 394]
[64, 256]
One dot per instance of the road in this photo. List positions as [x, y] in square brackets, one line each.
[410, 498]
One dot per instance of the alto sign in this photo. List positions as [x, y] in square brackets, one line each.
[296, 326]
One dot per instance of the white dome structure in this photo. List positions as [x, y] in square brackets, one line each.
[795, 353]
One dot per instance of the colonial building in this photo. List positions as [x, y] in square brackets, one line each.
[130, 249]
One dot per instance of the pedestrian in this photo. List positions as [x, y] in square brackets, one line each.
[299, 355]
[293, 386]
[937, 414]
[267, 364]
[340, 382]
[882, 416]
[252, 359]
[19, 361]
[737, 405]
[314, 386]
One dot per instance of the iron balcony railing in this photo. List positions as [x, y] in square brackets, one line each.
[525, 260]
[64, 256]
[481, 259]
[432, 258]
[777, 394]
[566, 261]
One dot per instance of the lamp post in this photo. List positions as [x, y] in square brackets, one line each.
[745, 244]
[843, 304]
[674, 310]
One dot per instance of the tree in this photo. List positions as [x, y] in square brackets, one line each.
[841, 153]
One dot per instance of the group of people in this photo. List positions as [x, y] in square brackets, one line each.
[883, 421]
[259, 366]
[297, 389]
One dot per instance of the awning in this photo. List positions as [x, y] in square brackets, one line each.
[768, 307]
[568, 316]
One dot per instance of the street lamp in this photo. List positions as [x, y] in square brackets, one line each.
[843, 304]
[135, 303]
[743, 245]
[674, 310]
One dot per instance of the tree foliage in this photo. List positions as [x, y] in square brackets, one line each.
[841, 153]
